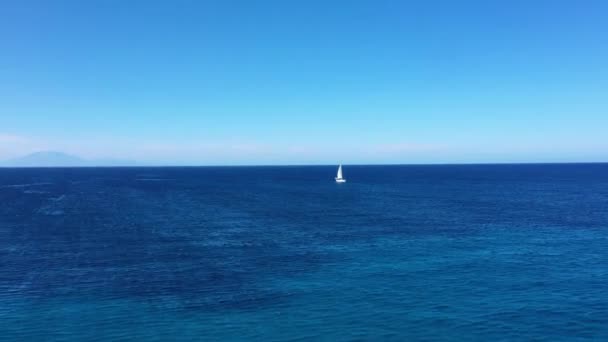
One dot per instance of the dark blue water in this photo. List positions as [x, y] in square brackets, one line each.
[492, 252]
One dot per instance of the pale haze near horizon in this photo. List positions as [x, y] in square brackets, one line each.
[197, 83]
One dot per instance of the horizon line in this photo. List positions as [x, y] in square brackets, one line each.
[300, 165]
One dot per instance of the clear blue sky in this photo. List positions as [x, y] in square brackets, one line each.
[282, 82]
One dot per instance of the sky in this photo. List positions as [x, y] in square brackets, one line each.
[305, 82]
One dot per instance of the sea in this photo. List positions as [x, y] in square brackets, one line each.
[397, 253]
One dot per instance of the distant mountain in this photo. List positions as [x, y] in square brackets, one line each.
[46, 158]
[59, 159]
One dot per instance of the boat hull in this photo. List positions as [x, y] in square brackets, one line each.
[340, 180]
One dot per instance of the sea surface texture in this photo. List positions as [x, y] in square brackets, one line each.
[398, 253]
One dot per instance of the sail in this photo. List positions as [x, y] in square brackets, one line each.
[339, 176]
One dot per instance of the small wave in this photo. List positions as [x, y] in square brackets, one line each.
[24, 185]
[153, 179]
[50, 211]
[35, 192]
[57, 199]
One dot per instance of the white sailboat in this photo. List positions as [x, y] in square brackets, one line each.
[339, 178]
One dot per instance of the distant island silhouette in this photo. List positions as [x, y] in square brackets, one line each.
[60, 159]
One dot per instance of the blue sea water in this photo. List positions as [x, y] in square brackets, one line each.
[454, 252]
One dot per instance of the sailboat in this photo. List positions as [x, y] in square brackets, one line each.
[339, 178]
